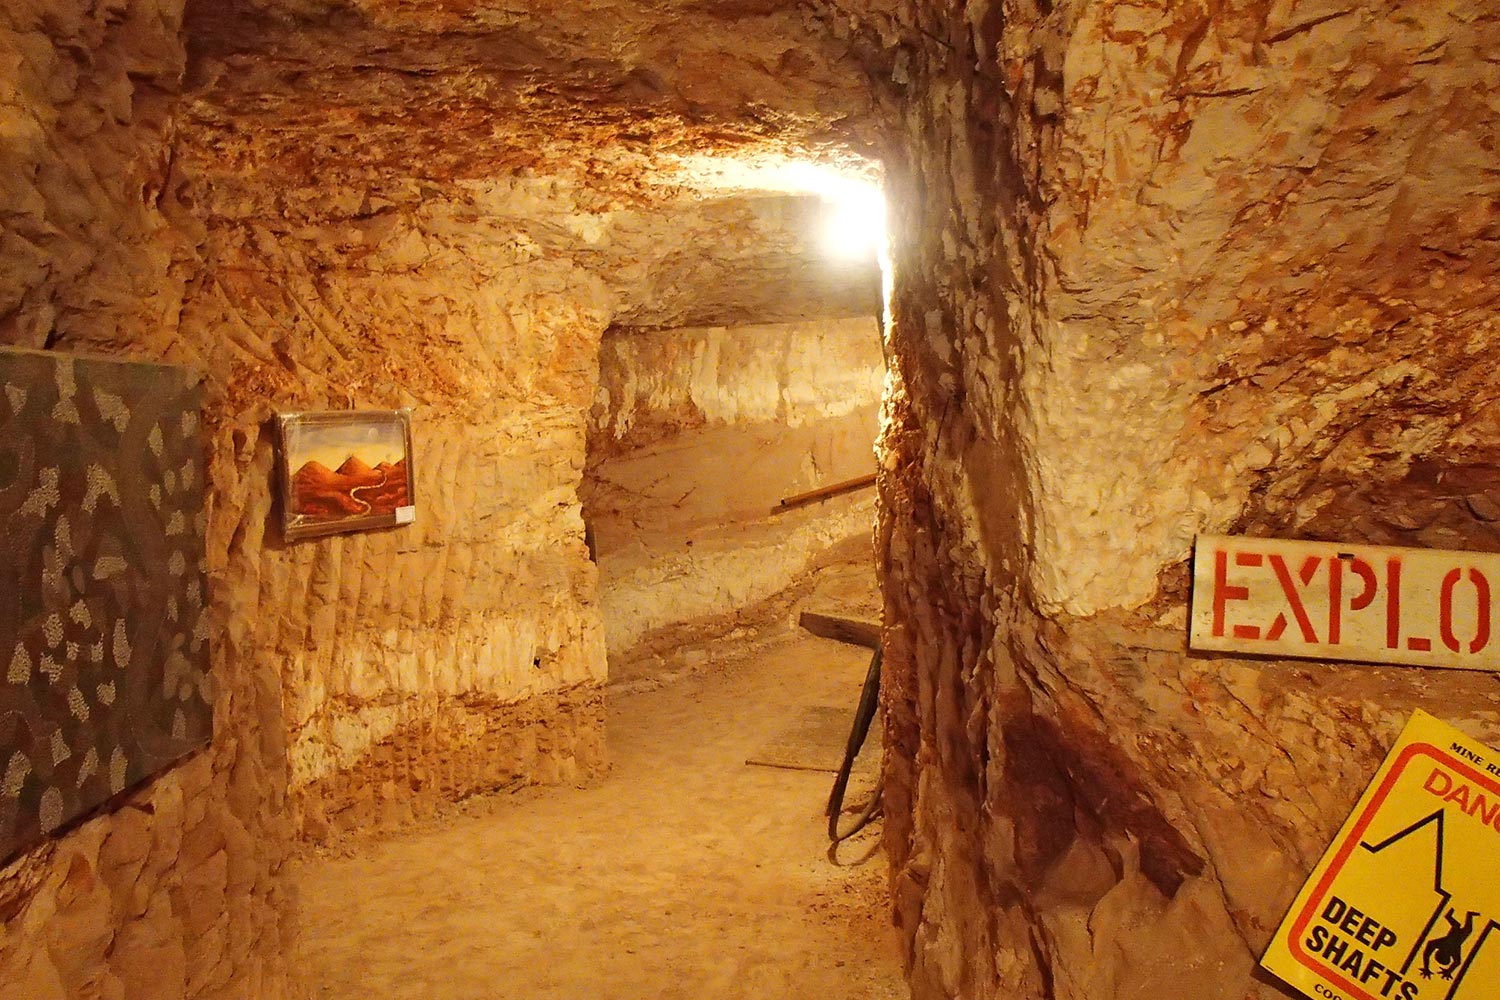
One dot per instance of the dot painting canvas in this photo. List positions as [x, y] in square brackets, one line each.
[103, 595]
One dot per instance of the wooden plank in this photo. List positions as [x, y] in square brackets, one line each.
[825, 493]
[1331, 601]
[851, 630]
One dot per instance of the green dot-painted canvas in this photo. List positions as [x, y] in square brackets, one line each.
[104, 675]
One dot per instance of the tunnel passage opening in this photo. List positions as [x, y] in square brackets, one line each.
[702, 429]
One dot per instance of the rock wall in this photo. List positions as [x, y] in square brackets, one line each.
[695, 436]
[405, 656]
[368, 678]
[361, 679]
[1160, 269]
[173, 891]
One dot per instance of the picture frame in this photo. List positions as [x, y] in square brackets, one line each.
[345, 470]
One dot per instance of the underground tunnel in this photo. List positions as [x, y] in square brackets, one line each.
[1142, 416]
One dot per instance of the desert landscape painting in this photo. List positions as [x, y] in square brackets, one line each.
[345, 471]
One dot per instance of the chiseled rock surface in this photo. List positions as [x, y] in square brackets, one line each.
[328, 205]
[391, 645]
[1161, 268]
[599, 89]
[481, 306]
[695, 436]
[173, 892]
[654, 384]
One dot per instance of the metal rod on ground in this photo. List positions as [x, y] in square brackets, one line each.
[869, 700]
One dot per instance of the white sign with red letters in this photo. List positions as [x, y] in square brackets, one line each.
[1328, 601]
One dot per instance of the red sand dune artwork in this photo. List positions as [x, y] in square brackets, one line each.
[355, 489]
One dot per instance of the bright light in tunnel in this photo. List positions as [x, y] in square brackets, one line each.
[852, 217]
[854, 226]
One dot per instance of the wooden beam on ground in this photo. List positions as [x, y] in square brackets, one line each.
[850, 630]
[825, 493]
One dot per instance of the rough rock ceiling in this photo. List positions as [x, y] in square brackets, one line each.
[601, 105]
[756, 259]
[471, 88]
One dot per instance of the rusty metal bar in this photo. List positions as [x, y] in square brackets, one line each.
[824, 493]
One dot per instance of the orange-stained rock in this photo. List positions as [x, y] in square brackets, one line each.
[377, 205]
[1160, 269]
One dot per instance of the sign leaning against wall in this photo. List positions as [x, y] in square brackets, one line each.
[1405, 904]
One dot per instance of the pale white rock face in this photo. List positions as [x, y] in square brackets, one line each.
[793, 374]
[696, 435]
[1202, 213]
[691, 585]
[1094, 420]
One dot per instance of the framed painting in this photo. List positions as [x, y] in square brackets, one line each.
[347, 470]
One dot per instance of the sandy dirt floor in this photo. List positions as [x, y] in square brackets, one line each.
[686, 874]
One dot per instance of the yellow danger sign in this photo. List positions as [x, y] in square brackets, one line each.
[1405, 905]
